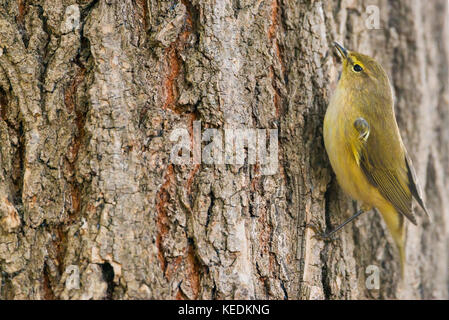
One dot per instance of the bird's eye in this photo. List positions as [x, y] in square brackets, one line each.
[357, 68]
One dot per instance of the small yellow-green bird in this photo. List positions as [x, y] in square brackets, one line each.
[365, 148]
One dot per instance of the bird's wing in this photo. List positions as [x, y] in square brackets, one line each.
[392, 183]
[413, 183]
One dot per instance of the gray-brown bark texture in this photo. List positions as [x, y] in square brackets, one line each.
[90, 92]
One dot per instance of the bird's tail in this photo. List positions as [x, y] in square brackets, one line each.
[400, 242]
[395, 223]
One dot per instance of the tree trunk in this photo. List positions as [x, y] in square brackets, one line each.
[93, 207]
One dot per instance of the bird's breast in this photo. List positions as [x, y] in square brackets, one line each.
[338, 123]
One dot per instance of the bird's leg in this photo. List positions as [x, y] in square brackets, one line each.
[327, 235]
[330, 233]
[363, 128]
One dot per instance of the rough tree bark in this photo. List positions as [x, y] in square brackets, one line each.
[90, 91]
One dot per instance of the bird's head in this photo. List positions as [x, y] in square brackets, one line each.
[360, 71]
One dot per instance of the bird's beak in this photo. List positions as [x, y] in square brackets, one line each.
[342, 51]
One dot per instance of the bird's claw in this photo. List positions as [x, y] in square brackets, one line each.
[319, 233]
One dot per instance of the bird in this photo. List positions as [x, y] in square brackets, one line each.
[365, 148]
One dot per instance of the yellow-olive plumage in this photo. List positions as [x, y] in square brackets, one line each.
[364, 145]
